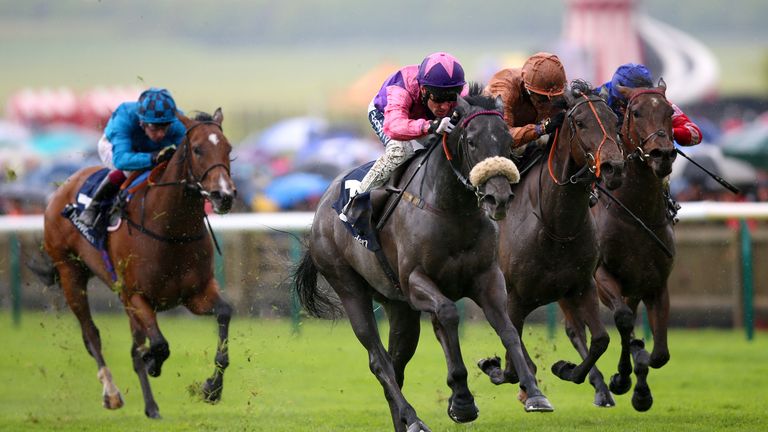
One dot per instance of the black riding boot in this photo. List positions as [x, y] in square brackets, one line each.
[105, 191]
[672, 206]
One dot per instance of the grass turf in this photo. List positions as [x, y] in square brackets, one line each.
[319, 380]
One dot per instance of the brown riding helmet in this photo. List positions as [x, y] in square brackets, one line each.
[544, 74]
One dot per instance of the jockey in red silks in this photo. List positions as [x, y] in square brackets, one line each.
[414, 102]
[138, 136]
[684, 131]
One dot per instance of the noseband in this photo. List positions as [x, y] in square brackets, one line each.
[593, 164]
[462, 148]
[639, 152]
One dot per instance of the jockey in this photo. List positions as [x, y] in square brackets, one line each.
[532, 96]
[138, 136]
[414, 102]
[684, 131]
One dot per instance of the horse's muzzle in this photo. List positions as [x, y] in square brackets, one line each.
[222, 202]
[612, 173]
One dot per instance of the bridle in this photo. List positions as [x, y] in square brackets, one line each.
[191, 180]
[639, 152]
[592, 164]
[461, 148]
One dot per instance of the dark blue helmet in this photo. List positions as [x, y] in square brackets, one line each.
[156, 106]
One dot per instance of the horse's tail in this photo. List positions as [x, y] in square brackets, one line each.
[316, 302]
[42, 266]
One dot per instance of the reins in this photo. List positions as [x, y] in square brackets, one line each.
[195, 184]
[592, 163]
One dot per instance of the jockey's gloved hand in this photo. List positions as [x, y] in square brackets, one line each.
[441, 126]
[551, 124]
[162, 155]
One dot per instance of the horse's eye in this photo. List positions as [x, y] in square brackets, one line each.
[579, 124]
[197, 151]
[635, 113]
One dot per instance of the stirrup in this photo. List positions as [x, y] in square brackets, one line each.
[345, 209]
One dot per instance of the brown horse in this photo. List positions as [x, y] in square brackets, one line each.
[548, 246]
[633, 267]
[162, 256]
[441, 247]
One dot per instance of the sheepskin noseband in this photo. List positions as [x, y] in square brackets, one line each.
[492, 167]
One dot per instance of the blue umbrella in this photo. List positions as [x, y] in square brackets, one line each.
[288, 190]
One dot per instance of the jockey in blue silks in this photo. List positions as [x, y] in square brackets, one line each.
[138, 136]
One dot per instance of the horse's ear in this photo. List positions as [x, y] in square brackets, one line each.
[218, 116]
[624, 91]
[568, 95]
[499, 103]
[184, 119]
[461, 106]
[662, 84]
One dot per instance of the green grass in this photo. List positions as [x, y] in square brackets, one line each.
[319, 381]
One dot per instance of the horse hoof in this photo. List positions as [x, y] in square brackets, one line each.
[153, 413]
[113, 402]
[642, 400]
[155, 357]
[538, 404]
[418, 426]
[491, 366]
[658, 360]
[464, 412]
[564, 370]
[604, 400]
[619, 384]
[211, 392]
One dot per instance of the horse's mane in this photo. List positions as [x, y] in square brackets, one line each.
[202, 116]
[581, 87]
[477, 98]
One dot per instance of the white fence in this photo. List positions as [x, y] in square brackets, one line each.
[299, 221]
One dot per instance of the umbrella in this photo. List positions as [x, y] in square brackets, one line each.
[749, 144]
[285, 137]
[712, 158]
[291, 189]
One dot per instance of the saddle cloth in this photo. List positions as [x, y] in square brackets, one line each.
[359, 217]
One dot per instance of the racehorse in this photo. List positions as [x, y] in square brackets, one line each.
[441, 244]
[162, 256]
[633, 267]
[548, 245]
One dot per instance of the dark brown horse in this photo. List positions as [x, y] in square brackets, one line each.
[162, 256]
[548, 245]
[441, 250]
[633, 267]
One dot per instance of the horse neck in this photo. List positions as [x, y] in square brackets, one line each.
[443, 188]
[564, 207]
[642, 192]
[174, 203]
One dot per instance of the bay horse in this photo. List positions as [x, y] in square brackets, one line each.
[548, 245]
[633, 267]
[441, 250]
[162, 256]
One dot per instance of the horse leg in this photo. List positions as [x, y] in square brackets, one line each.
[208, 302]
[580, 311]
[658, 318]
[158, 350]
[73, 280]
[404, 329]
[151, 409]
[491, 297]
[357, 305]
[424, 295]
[491, 366]
[610, 294]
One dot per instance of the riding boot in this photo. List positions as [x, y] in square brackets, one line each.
[395, 154]
[672, 205]
[105, 191]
